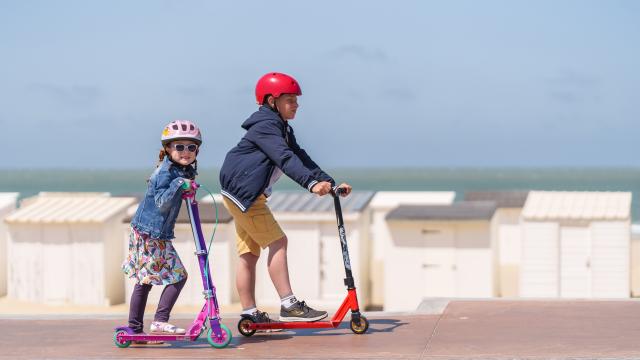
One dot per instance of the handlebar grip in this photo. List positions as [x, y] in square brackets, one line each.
[338, 190]
[194, 185]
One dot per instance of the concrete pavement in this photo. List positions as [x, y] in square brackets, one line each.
[490, 329]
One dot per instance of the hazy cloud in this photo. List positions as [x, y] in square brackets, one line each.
[76, 95]
[571, 78]
[399, 94]
[565, 97]
[195, 91]
[361, 53]
[570, 87]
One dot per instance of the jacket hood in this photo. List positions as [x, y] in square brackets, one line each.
[263, 114]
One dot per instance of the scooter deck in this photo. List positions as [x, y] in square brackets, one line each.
[158, 337]
[295, 325]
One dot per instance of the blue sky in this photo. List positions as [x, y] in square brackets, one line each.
[90, 84]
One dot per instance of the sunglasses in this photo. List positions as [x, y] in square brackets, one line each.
[183, 147]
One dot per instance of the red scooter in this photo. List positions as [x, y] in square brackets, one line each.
[359, 324]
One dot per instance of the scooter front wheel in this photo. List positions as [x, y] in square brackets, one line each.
[119, 342]
[361, 326]
[243, 327]
[220, 343]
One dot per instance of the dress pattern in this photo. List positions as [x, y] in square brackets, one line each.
[152, 261]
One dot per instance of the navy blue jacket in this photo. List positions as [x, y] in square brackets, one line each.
[268, 143]
[158, 210]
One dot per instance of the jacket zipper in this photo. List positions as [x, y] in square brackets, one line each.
[273, 168]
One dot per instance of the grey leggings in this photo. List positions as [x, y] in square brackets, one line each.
[139, 302]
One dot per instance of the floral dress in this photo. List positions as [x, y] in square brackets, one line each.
[152, 261]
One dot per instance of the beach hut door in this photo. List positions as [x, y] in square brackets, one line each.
[439, 268]
[575, 263]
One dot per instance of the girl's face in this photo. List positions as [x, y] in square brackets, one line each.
[287, 105]
[180, 151]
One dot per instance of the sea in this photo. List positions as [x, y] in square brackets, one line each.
[29, 182]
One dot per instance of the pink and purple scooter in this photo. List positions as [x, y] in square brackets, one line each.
[219, 335]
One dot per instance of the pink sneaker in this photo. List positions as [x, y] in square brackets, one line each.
[165, 328]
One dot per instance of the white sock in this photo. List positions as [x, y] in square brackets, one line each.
[249, 311]
[288, 301]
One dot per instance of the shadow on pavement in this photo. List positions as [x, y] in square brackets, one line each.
[202, 343]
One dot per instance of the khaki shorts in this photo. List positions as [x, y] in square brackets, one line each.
[256, 228]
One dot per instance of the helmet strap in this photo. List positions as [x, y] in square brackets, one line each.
[194, 164]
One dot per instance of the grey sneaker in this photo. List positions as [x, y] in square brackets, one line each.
[260, 317]
[301, 312]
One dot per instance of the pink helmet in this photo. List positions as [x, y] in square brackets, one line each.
[181, 130]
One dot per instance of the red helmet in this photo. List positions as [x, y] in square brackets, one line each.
[276, 84]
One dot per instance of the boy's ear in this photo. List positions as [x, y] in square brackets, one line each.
[271, 101]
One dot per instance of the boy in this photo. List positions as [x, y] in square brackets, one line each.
[267, 150]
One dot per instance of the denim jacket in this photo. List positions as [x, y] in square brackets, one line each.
[158, 210]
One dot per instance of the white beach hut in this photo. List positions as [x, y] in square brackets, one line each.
[222, 257]
[314, 253]
[66, 248]
[576, 245]
[381, 204]
[7, 205]
[439, 251]
[635, 260]
[506, 233]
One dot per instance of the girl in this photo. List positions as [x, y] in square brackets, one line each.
[152, 259]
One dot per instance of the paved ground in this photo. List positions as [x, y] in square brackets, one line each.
[466, 330]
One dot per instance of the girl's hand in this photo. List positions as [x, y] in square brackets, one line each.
[322, 188]
[187, 185]
[347, 189]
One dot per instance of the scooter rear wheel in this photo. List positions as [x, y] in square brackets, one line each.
[121, 343]
[359, 327]
[243, 327]
[220, 343]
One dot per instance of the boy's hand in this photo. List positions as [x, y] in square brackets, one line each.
[322, 188]
[347, 189]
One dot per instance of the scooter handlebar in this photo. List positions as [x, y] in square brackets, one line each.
[190, 186]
